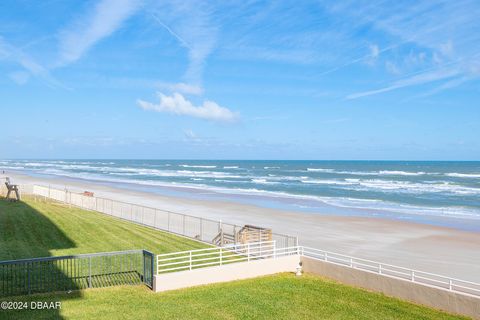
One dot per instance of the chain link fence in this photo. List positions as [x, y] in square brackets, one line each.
[201, 229]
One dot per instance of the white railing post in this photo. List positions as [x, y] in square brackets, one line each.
[190, 258]
[351, 262]
[326, 256]
[413, 276]
[450, 284]
[379, 268]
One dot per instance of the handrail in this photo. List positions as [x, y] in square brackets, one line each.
[388, 270]
[193, 259]
[389, 265]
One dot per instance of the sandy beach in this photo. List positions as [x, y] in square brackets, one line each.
[440, 250]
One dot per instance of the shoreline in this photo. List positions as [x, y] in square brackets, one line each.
[442, 250]
[433, 216]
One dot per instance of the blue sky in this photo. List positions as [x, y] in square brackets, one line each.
[240, 80]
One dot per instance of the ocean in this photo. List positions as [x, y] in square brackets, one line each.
[440, 192]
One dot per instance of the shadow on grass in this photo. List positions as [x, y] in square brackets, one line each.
[26, 233]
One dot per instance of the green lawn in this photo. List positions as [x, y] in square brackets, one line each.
[40, 229]
[33, 229]
[282, 296]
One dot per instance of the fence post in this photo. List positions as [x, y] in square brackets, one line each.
[89, 272]
[220, 230]
[29, 278]
[450, 284]
[144, 267]
[183, 225]
[379, 268]
[413, 276]
[190, 260]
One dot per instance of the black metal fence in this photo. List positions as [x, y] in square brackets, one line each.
[76, 272]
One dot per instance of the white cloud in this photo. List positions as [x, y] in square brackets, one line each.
[181, 87]
[177, 104]
[392, 68]
[106, 18]
[189, 134]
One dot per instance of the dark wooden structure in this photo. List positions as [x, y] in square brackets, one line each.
[12, 188]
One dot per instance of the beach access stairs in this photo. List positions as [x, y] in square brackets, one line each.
[247, 234]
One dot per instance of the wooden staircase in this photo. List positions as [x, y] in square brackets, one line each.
[247, 234]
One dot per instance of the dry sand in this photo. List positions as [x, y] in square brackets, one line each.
[440, 250]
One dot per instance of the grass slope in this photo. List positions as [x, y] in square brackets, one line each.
[32, 229]
[38, 229]
[282, 296]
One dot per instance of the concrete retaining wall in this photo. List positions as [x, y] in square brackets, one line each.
[225, 273]
[429, 296]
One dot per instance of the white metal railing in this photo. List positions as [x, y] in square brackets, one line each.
[411, 275]
[193, 259]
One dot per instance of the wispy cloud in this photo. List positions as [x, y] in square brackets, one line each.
[16, 55]
[419, 79]
[179, 105]
[434, 34]
[105, 18]
[190, 23]
[456, 72]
